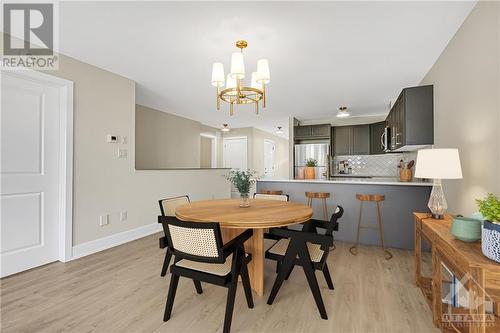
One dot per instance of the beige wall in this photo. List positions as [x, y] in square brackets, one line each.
[255, 150]
[467, 105]
[280, 153]
[104, 103]
[160, 136]
[205, 152]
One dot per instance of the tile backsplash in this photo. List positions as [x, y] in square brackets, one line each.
[383, 165]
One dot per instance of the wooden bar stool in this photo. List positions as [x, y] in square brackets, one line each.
[318, 195]
[272, 192]
[377, 198]
[322, 196]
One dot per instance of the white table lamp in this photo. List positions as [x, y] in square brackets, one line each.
[438, 164]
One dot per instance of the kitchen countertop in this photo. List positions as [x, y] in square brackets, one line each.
[355, 181]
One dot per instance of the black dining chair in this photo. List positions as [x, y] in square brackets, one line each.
[167, 208]
[306, 248]
[199, 255]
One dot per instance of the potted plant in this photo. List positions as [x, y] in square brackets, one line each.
[242, 180]
[490, 236]
[310, 171]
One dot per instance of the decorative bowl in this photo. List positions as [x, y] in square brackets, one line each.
[466, 229]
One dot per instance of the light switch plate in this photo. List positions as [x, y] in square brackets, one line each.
[123, 216]
[110, 138]
[122, 153]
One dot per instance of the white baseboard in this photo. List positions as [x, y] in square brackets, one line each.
[108, 242]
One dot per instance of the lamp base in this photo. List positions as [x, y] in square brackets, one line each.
[437, 202]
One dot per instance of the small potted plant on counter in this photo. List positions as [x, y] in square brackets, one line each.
[242, 180]
[490, 237]
[310, 171]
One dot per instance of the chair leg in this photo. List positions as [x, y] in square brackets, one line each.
[197, 285]
[285, 266]
[328, 278]
[231, 294]
[174, 280]
[354, 249]
[289, 272]
[245, 279]
[166, 262]
[311, 279]
[387, 253]
[278, 265]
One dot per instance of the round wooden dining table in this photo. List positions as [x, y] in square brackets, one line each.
[233, 220]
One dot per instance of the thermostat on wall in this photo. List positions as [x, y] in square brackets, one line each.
[111, 138]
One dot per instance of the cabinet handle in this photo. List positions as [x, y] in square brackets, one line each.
[382, 139]
[398, 135]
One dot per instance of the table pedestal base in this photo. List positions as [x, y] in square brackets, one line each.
[255, 246]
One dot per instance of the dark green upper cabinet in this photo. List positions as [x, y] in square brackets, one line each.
[376, 132]
[360, 140]
[320, 131]
[312, 132]
[302, 131]
[351, 140]
[342, 140]
[411, 119]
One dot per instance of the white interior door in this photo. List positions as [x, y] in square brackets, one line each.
[269, 150]
[235, 153]
[235, 157]
[30, 188]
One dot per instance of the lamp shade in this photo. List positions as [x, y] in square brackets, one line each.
[263, 71]
[438, 164]
[255, 84]
[237, 66]
[230, 83]
[217, 74]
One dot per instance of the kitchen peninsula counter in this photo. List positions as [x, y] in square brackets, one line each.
[401, 200]
[353, 180]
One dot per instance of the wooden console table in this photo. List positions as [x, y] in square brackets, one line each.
[466, 261]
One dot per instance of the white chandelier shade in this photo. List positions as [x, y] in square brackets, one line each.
[255, 83]
[237, 66]
[263, 71]
[218, 74]
[236, 91]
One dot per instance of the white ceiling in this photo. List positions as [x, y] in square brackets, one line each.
[322, 55]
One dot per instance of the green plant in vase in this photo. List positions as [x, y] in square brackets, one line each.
[489, 207]
[243, 181]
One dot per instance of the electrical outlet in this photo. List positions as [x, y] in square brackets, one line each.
[103, 220]
[123, 216]
[122, 153]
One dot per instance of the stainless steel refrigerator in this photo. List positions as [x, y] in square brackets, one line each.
[319, 151]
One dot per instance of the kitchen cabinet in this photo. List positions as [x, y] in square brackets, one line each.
[320, 131]
[341, 140]
[376, 132]
[411, 119]
[352, 140]
[312, 132]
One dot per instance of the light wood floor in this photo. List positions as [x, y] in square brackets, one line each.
[120, 290]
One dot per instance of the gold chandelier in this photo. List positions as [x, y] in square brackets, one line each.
[236, 92]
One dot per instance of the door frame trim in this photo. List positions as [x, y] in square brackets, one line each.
[274, 150]
[65, 223]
